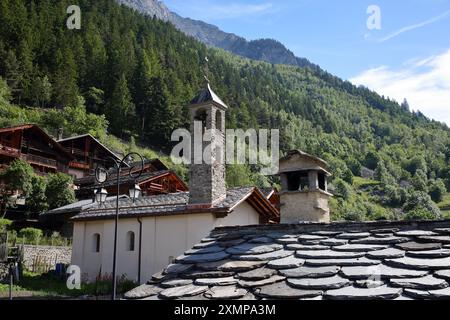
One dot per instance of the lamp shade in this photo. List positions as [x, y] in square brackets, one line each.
[135, 192]
[100, 196]
[101, 175]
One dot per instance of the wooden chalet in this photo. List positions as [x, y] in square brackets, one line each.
[155, 179]
[87, 154]
[32, 144]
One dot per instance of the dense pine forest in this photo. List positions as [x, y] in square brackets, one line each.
[127, 76]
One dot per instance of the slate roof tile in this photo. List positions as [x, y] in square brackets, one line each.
[437, 253]
[417, 246]
[382, 260]
[363, 261]
[422, 283]
[275, 255]
[256, 274]
[263, 282]
[358, 247]
[228, 292]
[442, 230]
[310, 272]
[418, 263]
[215, 281]
[388, 253]
[444, 274]
[334, 282]
[185, 291]
[253, 248]
[286, 263]
[283, 291]
[327, 254]
[349, 293]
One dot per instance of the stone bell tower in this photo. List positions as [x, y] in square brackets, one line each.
[207, 183]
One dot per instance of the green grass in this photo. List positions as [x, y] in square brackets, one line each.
[359, 182]
[48, 286]
[444, 205]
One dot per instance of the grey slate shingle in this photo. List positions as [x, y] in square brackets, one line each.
[158, 205]
[382, 260]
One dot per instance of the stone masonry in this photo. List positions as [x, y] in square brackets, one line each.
[3, 273]
[46, 254]
[207, 180]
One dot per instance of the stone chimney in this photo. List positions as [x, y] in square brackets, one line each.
[207, 183]
[304, 193]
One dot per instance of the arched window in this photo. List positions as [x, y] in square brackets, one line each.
[130, 241]
[96, 242]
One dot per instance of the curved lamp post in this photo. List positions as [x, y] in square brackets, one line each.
[101, 176]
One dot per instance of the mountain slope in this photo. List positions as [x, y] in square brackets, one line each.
[268, 50]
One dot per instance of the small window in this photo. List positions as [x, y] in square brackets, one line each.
[322, 181]
[219, 120]
[298, 181]
[96, 243]
[130, 241]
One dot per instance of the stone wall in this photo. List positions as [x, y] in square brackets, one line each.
[3, 273]
[45, 255]
[301, 206]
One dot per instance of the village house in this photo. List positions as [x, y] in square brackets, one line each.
[156, 178]
[155, 229]
[87, 153]
[31, 144]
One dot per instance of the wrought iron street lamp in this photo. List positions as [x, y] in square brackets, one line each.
[101, 176]
[135, 192]
[101, 195]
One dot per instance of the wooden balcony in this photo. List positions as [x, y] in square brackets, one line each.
[76, 152]
[11, 152]
[30, 158]
[78, 165]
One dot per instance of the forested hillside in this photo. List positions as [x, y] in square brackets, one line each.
[138, 72]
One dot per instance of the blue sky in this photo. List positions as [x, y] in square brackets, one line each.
[409, 57]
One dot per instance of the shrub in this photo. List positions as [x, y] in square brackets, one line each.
[437, 190]
[31, 234]
[421, 202]
[59, 191]
[4, 224]
[419, 181]
[354, 215]
[342, 188]
[377, 213]
[419, 214]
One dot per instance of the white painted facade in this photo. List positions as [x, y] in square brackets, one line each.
[163, 239]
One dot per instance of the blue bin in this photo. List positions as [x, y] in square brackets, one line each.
[59, 269]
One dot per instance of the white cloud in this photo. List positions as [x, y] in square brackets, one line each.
[425, 83]
[415, 26]
[211, 10]
[236, 10]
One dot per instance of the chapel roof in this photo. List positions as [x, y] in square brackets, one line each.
[178, 203]
[338, 261]
[321, 164]
[207, 95]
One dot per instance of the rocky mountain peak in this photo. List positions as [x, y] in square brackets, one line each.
[268, 50]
